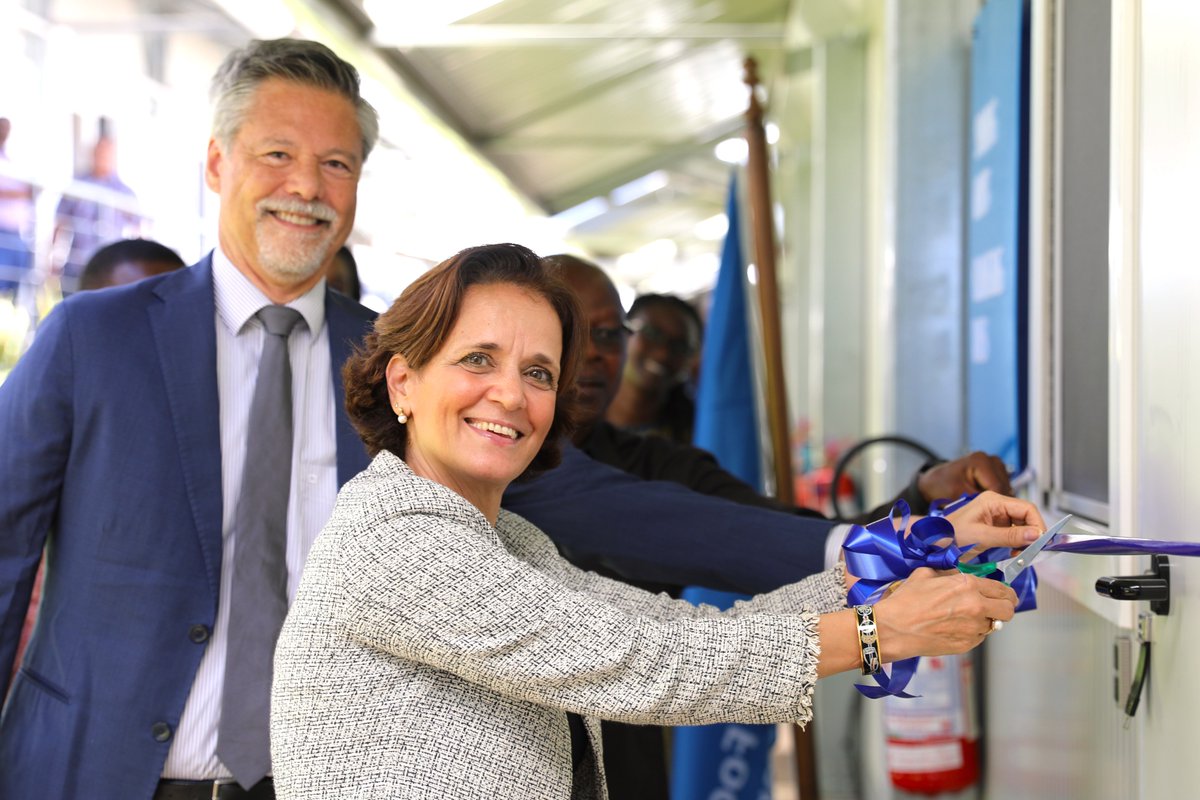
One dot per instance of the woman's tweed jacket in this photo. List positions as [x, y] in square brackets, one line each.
[430, 655]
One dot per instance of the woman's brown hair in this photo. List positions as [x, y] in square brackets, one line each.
[421, 319]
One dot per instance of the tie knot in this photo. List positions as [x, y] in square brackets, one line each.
[279, 320]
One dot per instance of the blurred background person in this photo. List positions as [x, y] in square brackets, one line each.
[127, 261]
[98, 207]
[656, 392]
[342, 274]
[16, 216]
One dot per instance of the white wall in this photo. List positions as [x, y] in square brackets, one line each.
[1166, 345]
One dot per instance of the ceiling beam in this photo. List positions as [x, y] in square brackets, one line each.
[519, 141]
[645, 63]
[663, 158]
[470, 35]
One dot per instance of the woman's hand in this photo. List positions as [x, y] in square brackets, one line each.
[993, 520]
[939, 613]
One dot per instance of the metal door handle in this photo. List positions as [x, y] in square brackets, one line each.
[1154, 585]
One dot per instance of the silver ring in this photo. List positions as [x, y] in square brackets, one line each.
[997, 625]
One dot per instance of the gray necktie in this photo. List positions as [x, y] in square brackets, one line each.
[258, 598]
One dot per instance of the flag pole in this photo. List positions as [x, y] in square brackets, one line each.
[763, 230]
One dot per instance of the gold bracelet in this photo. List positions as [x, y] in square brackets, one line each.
[868, 640]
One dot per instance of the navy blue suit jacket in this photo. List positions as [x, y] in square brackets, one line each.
[111, 458]
[661, 532]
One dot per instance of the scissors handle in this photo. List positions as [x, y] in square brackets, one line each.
[981, 570]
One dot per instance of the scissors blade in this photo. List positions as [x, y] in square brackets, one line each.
[1014, 566]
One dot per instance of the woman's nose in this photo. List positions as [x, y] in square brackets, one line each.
[509, 391]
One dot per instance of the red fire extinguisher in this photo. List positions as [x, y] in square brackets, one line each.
[933, 740]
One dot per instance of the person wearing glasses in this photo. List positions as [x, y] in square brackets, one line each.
[655, 396]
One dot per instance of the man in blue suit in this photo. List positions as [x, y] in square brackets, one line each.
[125, 429]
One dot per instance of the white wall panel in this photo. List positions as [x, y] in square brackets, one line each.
[1054, 731]
[1167, 348]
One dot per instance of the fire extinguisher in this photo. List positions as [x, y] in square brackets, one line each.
[933, 740]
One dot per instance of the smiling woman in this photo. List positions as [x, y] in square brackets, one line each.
[415, 331]
[440, 647]
[479, 410]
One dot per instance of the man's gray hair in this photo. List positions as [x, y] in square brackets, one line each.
[297, 60]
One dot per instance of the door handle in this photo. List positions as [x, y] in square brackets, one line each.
[1154, 586]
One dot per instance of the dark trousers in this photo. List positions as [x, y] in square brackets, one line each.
[635, 761]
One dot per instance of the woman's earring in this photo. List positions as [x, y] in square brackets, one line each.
[401, 417]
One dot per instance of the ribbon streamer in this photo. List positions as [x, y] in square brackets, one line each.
[1119, 546]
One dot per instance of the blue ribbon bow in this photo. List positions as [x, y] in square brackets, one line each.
[880, 554]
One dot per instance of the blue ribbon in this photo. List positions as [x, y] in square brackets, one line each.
[880, 554]
[1025, 584]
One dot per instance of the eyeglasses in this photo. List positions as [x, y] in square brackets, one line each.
[660, 338]
[609, 338]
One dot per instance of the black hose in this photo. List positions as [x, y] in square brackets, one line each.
[858, 447]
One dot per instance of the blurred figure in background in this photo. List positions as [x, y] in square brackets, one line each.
[98, 207]
[655, 396]
[342, 275]
[16, 214]
[127, 261]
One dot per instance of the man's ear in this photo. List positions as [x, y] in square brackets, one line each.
[400, 377]
[212, 166]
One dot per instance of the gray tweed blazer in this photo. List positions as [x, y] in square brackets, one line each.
[430, 655]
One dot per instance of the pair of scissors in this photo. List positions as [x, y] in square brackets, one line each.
[1010, 568]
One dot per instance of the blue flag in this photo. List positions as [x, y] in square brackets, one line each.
[726, 409]
[726, 761]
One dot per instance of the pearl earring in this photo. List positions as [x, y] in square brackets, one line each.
[401, 417]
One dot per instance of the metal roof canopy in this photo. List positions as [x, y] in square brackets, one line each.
[574, 100]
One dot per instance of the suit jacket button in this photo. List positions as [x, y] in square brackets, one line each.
[161, 731]
[198, 633]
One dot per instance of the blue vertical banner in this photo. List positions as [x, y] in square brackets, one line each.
[726, 406]
[725, 762]
[997, 233]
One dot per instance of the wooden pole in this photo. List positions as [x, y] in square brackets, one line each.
[763, 228]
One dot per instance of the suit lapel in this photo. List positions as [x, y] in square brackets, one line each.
[348, 322]
[184, 326]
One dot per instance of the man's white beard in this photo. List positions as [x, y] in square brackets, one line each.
[293, 258]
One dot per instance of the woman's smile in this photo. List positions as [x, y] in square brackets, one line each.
[495, 428]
